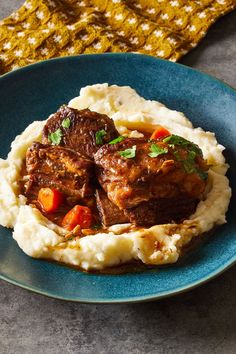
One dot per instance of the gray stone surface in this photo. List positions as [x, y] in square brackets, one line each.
[201, 321]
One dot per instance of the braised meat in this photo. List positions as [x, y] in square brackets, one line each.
[161, 211]
[83, 131]
[145, 182]
[129, 181]
[109, 213]
[134, 171]
[60, 168]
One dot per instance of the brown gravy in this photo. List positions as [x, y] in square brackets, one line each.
[139, 267]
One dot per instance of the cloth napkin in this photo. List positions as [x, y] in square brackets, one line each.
[43, 29]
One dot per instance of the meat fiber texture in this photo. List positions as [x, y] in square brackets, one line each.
[58, 167]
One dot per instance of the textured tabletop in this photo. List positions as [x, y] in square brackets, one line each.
[200, 321]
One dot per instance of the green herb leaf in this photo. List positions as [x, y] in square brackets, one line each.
[96, 227]
[202, 174]
[177, 156]
[178, 140]
[189, 163]
[156, 150]
[99, 136]
[66, 123]
[191, 155]
[70, 238]
[129, 153]
[117, 140]
[55, 137]
[188, 166]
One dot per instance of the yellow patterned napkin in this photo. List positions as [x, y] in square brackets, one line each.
[43, 29]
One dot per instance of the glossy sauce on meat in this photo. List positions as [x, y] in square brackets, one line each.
[130, 181]
[133, 180]
[81, 130]
[58, 167]
[151, 188]
[65, 159]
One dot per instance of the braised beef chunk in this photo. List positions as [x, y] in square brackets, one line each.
[109, 213]
[162, 211]
[145, 182]
[136, 170]
[60, 168]
[83, 131]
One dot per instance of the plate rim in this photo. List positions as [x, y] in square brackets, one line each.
[138, 299]
[230, 263]
[119, 54]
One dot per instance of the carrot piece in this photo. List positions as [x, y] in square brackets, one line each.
[78, 215]
[49, 199]
[159, 133]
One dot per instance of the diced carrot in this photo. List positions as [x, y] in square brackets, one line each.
[78, 215]
[159, 133]
[49, 199]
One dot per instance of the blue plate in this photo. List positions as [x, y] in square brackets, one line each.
[37, 90]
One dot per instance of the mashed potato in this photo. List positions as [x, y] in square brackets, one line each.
[160, 244]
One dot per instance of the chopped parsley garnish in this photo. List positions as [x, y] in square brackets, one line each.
[191, 155]
[189, 164]
[173, 140]
[55, 137]
[99, 136]
[70, 237]
[128, 153]
[117, 140]
[202, 174]
[96, 227]
[157, 150]
[66, 123]
[177, 156]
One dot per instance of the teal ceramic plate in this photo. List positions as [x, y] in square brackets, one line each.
[35, 91]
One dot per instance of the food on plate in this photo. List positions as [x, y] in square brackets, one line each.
[139, 174]
[58, 167]
[109, 213]
[160, 132]
[112, 178]
[80, 216]
[49, 199]
[83, 131]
